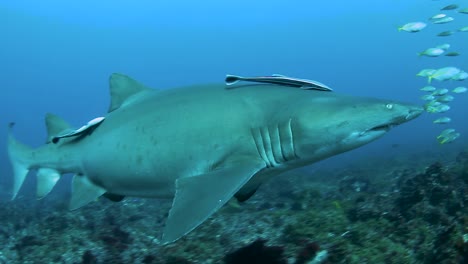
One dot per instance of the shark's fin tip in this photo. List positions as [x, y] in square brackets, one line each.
[84, 192]
[122, 87]
[46, 180]
[55, 125]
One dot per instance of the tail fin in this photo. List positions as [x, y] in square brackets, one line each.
[18, 154]
[231, 79]
[22, 159]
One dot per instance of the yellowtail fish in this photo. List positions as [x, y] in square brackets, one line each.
[446, 132]
[445, 33]
[445, 98]
[426, 72]
[280, 80]
[463, 29]
[428, 97]
[443, 20]
[437, 108]
[447, 138]
[459, 90]
[452, 54]
[413, 27]
[440, 92]
[431, 52]
[442, 120]
[438, 16]
[449, 7]
[444, 74]
[461, 76]
[463, 11]
[444, 46]
[432, 104]
[428, 89]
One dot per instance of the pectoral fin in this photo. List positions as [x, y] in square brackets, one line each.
[198, 197]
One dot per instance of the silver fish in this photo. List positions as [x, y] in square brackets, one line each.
[281, 80]
[460, 89]
[438, 16]
[445, 98]
[442, 120]
[445, 33]
[444, 139]
[450, 7]
[428, 89]
[443, 20]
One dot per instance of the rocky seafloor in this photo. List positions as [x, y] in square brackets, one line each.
[382, 211]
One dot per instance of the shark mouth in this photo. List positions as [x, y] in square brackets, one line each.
[413, 113]
[384, 127]
[378, 130]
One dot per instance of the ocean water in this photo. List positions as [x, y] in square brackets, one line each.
[56, 56]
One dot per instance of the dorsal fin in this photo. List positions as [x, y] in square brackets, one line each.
[55, 125]
[121, 88]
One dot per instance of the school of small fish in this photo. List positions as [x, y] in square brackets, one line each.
[438, 99]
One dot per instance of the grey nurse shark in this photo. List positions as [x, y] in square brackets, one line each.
[200, 145]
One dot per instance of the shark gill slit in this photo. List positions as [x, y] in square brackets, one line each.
[292, 139]
[257, 136]
[275, 145]
[287, 141]
[265, 133]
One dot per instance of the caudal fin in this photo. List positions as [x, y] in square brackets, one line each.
[18, 154]
[231, 79]
[24, 158]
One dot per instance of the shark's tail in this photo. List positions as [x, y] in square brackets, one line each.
[19, 157]
[24, 159]
[232, 79]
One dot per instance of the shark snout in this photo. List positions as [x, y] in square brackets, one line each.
[413, 112]
[405, 114]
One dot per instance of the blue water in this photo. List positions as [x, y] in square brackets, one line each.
[56, 56]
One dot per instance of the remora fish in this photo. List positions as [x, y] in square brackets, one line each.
[201, 145]
[281, 80]
[73, 133]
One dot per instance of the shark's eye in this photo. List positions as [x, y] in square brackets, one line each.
[389, 106]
